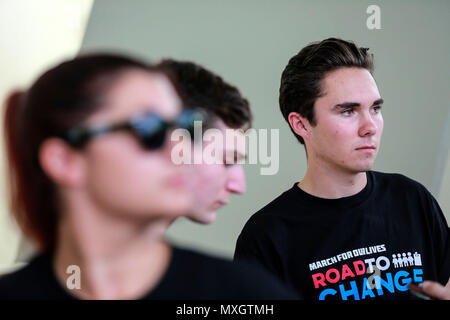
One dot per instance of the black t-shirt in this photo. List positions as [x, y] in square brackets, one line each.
[366, 246]
[190, 276]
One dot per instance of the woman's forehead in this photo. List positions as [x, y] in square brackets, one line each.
[136, 91]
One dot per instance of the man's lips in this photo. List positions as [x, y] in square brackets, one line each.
[219, 204]
[367, 148]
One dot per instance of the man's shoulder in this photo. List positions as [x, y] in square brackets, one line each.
[193, 256]
[235, 279]
[210, 265]
[397, 181]
[274, 211]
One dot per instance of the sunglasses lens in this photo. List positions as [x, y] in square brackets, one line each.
[151, 131]
[156, 140]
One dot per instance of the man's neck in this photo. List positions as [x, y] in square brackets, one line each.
[332, 184]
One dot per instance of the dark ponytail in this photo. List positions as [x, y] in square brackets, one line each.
[31, 195]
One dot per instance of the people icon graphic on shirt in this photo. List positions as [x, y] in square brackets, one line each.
[417, 259]
[406, 260]
[400, 260]
[410, 259]
[395, 261]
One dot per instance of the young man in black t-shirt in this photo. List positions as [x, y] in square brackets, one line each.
[345, 232]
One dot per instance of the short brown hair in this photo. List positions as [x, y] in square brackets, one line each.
[302, 78]
[206, 90]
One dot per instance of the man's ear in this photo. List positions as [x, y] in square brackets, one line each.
[300, 125]
[63, 164]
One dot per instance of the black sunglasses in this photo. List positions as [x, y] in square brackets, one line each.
[149, 128]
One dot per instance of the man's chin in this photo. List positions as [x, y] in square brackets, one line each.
[364, 165]
[360, 167]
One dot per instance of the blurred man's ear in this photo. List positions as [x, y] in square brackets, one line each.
[63, 164]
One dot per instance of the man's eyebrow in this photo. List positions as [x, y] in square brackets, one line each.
[346, 105]
[377, 102]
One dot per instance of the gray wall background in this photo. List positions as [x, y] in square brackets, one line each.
[250, 42]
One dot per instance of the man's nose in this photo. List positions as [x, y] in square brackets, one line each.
[236, 180]
[368, 125]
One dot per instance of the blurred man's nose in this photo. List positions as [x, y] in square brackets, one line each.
[236, 180]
